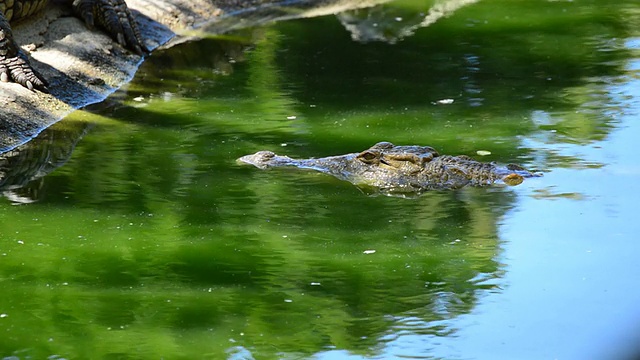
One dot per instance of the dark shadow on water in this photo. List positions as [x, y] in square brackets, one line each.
[23, 169]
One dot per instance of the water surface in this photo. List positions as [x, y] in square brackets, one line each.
[129, 231]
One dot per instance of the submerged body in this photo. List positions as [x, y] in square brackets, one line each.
[400, 169]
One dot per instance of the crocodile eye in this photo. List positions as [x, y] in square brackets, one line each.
[368, 156]
[266, 155]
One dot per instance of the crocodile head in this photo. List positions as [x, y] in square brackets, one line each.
[383, 156]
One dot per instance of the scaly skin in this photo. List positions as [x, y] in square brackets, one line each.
[16, 9]
[400, 169]
[110, 15]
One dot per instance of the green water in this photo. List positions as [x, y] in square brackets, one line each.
[140, 237]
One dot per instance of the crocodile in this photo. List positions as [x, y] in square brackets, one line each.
[401, 169]
[111, 15]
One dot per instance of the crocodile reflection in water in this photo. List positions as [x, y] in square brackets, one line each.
[401, 169]
[23, 169]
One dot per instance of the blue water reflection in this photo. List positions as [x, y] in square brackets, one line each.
[571, 255]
